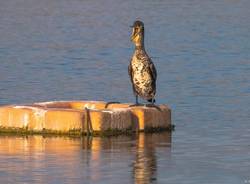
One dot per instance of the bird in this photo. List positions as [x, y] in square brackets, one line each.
[141, 68]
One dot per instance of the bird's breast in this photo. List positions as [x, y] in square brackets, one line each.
[141, 75]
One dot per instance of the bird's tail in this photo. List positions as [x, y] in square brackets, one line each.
[152, 100]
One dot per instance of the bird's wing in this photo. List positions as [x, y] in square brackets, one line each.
[130, 72]
[153, 70]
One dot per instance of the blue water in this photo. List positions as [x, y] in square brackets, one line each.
[80, 49]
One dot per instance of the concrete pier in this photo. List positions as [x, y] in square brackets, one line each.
[83, 117]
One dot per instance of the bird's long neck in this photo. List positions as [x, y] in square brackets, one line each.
[140, 47]
[140, 52]
[139, 42]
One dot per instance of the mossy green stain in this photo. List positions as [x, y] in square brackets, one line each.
[78, 132]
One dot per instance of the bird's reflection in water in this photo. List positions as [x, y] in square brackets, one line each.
[145, 164]
[122, 159]
[142, 147]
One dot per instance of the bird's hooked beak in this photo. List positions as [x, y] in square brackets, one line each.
[135, 32]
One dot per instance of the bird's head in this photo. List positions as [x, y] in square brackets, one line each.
[137, 33]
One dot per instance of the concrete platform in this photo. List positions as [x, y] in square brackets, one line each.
[83, 117]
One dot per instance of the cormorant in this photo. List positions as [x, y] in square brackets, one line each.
[141, 69]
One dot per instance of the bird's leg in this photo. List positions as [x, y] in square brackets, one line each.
[136, 102]
[153, 101]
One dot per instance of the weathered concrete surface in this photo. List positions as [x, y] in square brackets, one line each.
[65, 116]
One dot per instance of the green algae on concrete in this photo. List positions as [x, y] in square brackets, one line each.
[78, 132]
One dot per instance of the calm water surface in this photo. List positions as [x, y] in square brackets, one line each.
[80, 49]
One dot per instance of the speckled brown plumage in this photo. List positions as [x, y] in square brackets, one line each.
[141, 69]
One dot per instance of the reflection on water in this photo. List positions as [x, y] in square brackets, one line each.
[145, 164]
[143, 145]
[91, 158]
